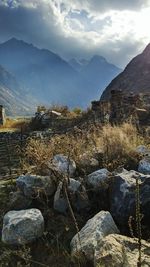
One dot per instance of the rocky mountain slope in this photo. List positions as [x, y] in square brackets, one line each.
[49, 78]
[11, 95]
[135, 78]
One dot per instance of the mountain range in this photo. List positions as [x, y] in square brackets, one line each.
[39, 76]
[11, 95]
[135, 77]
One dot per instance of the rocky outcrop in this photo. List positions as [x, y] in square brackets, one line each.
[87, 240]
[22, 227]
[121, 251]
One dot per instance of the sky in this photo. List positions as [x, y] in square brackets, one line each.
[115, 29]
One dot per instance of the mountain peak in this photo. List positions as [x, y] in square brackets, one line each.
[13, 42]
[97, 58]
[135, 77]
[147, 50]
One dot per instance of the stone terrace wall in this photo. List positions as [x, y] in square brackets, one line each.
[121, 108]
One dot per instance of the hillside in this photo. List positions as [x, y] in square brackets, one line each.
[135, 78]
[49, 78]
[11, 95]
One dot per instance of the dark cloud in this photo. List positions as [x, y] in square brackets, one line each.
[69, 28]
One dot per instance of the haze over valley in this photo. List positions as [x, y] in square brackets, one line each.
[42, 77]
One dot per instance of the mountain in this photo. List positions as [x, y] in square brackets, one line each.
[78, 65]
[50, 79]
[11, 96]
[135, 78]
[99, 72]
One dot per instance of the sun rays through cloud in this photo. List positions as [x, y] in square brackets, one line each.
[115, 29]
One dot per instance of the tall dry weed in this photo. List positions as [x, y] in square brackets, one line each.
[118, 143]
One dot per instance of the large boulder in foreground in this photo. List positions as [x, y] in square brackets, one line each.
[22, 227]
[64, 164]
[121, 251]
[87, 240]
[32, 185]
[123, 197]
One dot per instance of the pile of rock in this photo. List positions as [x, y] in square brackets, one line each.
[99, 240]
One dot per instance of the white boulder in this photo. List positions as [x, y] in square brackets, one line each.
[117, 250]
[64, 164]
[22, 227]
[87, 240]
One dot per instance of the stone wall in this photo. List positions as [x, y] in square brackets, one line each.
[122, 107]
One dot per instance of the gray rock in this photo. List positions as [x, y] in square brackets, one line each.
[18, 201]
[77, 196]
[118, 251]
[63, 164]
[88, 163]
[98, 179]
[123, 196]
[60, 203]
[32, 185]
[74, 185]
[22, 227]
[144, 165]
[87, 240]
[143, 150]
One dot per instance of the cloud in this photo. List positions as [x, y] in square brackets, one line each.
[115, 29]
[103, 6]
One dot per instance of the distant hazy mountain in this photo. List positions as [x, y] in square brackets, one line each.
[99, 73]
[50, 79]
[78, 65]
[135, 78]
[11, 96]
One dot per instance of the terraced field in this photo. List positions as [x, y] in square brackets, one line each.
[10, 159]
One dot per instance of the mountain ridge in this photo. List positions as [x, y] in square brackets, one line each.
[11, 95]
[135, 77]
[49, 78]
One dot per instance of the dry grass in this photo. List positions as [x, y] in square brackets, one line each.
[117, 143]
[14, 124]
